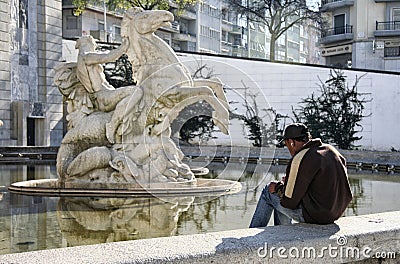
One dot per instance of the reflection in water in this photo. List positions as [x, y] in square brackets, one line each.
[86, 221]
[358, 195]
[29, 223]
[228, 211]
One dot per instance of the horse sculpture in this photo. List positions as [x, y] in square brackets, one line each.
[139, 149]
[157, 69]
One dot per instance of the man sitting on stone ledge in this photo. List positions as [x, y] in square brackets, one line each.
[315, 189]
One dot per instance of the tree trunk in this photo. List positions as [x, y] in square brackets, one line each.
[272, 48]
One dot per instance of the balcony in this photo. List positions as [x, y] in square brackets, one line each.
[226, 48]
[239, 51]
[227, 26]
[387, 29]
[231, 27]
[173, 28]
[236, 30]
[189, 14]
[100, 35]
[336, 34]
[99, 7]
[116, 38]
[329, 5]
[184, 36]
[71, 33]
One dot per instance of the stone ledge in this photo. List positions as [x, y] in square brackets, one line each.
[376, 231]
[383, 161]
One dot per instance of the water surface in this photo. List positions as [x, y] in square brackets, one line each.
[29, 223]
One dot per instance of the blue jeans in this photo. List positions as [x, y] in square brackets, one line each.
[269, 202]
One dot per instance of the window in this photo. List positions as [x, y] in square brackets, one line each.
[392, 51]
[225, 15]
[72, 22]
[191, 46]
[339, 24]
[117, 30]
[396, 14]
[293, 45]
[183, 26]
[392, 48]
[202, 8]
[209, 10]
[100, 25]
[396, 18]
[282, 40]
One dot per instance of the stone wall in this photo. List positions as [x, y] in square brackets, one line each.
[282, 86]
[349, 240]
[30, 47]
[5, 92]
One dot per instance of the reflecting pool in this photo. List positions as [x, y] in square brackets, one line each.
[29, 223]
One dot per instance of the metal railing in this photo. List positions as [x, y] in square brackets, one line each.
[337, 31]
[388, 25]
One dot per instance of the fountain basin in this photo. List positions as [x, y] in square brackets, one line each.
[198, 187]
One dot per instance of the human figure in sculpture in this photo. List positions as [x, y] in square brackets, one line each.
[103, 95]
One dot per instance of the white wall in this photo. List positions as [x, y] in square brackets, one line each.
[282, 86]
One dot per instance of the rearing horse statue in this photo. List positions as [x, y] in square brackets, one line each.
[163, 78]
[138, 148]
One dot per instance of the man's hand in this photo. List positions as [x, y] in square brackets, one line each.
[271, 187]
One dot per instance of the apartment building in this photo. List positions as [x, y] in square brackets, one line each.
[210, 26]
[251, 39]
[103, 26]
[233, 30]
[361, 34]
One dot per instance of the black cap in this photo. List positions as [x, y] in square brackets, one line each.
[295, 130]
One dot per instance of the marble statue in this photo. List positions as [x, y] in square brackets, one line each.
[119, 136]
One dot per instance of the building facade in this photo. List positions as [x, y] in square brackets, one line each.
[210, 26]
[104, 26]
[361, 34]
[30, 48]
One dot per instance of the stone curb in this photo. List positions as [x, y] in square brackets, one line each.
[378, 232]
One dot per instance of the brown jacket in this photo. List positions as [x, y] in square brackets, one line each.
[321, 187]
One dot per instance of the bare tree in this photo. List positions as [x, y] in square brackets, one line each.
[277, 15]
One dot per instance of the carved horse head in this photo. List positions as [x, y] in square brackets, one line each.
[147, 52]
[146, 21]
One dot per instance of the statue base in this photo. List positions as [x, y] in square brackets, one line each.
[197, 187]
